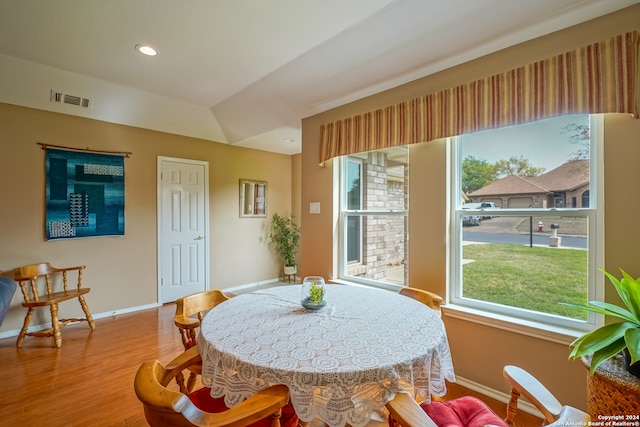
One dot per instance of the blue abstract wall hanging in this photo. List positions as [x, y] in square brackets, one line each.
[84, 194]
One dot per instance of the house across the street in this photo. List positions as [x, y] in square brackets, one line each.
[566, 186]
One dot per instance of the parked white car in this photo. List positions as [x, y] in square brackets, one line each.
[488, 205]
[473, 220]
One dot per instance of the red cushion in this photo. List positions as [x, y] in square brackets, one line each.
[464, 411]
[203, 400]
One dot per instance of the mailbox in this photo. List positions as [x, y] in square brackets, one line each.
[554, 240]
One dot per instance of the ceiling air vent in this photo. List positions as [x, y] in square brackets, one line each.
[64, 98]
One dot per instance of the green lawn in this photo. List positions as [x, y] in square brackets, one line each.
[534, 278]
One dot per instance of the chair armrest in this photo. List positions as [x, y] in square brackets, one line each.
[406, 412]
[527, 385]
[186, 322]
[262, 404]
[180, 363]
[570, 416]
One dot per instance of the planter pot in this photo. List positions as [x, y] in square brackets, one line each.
[290, 270]
[632, 369]
[612, 390]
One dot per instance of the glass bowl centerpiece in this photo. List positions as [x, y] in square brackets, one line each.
[313, 291]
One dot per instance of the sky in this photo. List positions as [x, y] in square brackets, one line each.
[542, 142]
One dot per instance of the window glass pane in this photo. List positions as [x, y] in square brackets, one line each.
[374, 243]
[542, 164]
[532, 263]
[353, 239]
[353, 185]
[524, 220]
[383, 175]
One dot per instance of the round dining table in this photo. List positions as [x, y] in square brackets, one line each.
[342, 363]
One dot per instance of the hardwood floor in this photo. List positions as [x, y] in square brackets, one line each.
[89, 380]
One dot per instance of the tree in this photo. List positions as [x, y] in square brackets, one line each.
[476, 174]
[580, 135]
[516, 166]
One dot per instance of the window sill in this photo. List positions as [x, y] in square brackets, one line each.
[519, 326]
[378, 285]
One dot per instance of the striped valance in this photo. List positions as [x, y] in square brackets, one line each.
[599, 78]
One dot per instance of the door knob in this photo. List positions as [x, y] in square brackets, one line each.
[199, 237]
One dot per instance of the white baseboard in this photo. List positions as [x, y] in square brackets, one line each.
[523, 405]
[43, 326]
[250, 287]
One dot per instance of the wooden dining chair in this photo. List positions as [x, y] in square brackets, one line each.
[472, 412]
[190, 311]
[164, 406]
[35, 276]
[429, 299]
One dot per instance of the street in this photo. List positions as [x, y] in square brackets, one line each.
[506, 230]
[537, 239]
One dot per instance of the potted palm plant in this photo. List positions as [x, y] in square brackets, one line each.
[284, 238]
[609, 340]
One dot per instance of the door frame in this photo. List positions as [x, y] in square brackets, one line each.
[159, 219]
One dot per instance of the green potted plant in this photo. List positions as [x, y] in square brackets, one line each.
[609, 340]
[284, 238]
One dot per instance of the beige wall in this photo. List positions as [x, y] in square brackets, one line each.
[479, 351]
[122, 271]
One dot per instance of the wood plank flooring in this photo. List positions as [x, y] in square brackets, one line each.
[89, 381]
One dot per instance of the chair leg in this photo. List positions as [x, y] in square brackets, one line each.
[25, 326]
[512, 407]
[275, 418]
[85, 308]
[180, 382]
[191, 382]
[55, 325]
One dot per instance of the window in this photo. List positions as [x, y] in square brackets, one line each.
[373, 217]
[525, 233]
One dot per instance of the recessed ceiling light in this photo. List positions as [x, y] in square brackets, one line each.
[146, 50]
[287, 139]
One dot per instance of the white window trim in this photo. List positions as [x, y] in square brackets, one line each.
[561, 332]
[341, 236]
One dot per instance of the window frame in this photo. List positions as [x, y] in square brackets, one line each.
[344, 213]
[486, 312]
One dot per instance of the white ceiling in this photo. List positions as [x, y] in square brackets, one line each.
[246, 72]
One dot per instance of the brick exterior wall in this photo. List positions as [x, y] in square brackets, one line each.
[383, 236]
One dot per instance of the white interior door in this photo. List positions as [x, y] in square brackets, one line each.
[183, 218]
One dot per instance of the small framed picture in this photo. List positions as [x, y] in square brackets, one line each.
[253, 198]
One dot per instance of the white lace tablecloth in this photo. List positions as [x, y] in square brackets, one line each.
[341, 363]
